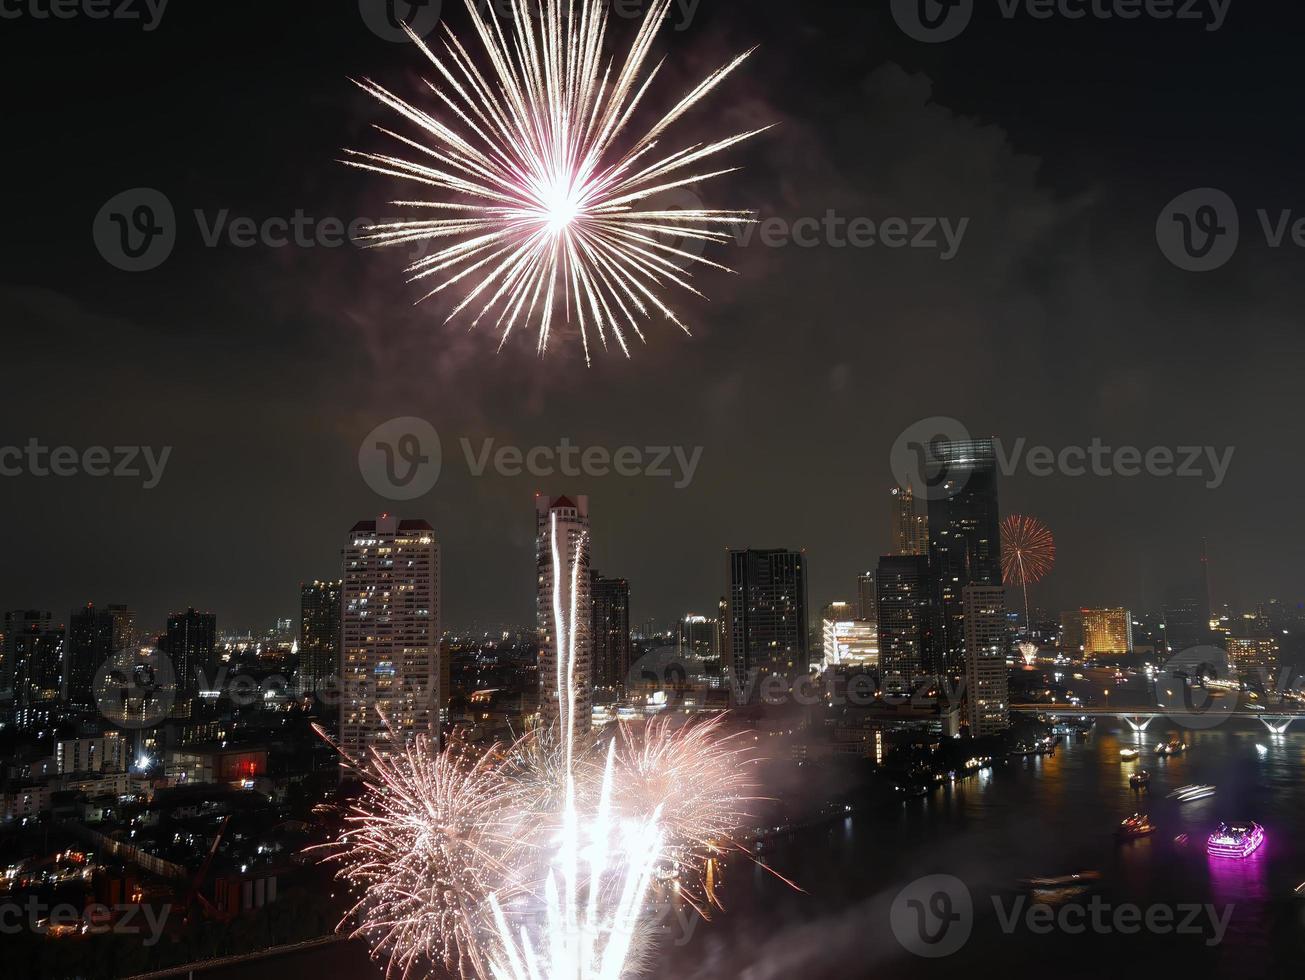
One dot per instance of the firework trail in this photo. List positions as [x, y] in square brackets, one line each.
[541, 195]
[1028, 552]
[538, 859]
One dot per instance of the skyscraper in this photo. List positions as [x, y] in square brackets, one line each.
[390, 610]
[986, 638]
[320, 624]
[964, 537]
[767, 617]
[33, 667]
[611, 630]
[910, 524]
[906, 619]
[94, 635]
[868, 606]
[191, 643]
[562, 536]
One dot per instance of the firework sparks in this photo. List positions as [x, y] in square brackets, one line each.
[1028, 552]
[544, 201]
[537, 860]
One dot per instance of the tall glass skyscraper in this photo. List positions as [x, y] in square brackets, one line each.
[964, 537]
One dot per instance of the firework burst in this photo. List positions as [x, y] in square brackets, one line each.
[1028, 552]
[539, 859]
[544, 205]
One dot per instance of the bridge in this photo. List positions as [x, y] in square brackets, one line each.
[1276, 721]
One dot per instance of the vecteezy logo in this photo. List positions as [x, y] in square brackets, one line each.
[401, 459]
[1197, 688]
[933, 21]
[933, 916]
[136, 230]
[1198, 231]
[919, 459]
[386, 18]
[136, 689]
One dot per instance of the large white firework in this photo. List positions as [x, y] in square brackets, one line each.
[546, 205]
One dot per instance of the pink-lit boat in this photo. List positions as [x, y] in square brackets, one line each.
[1235, 840]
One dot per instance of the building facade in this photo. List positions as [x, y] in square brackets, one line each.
[390, 636]
[1106, 632]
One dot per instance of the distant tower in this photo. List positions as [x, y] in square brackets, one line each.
[564, 522]
[611, 630]
[910, 524]
[767, 632]
[868, 608]
[390, 608]
[319, 635]
[191, 643]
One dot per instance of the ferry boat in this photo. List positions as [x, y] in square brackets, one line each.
[1138, 825]
[1140, 779]
[1189, 794]
[1235, 840]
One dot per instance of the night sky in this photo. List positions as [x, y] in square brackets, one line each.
[1058, 320]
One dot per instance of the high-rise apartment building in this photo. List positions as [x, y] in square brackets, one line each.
[964, 537]
[94, 635]
[562, 545]
[191, 643]
[907, 613]
[910, 530]
[320, 623]
[390, 635]
[33, 667]
[610, 630]
[767, 633]
[987, 696]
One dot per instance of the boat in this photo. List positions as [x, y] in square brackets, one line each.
[1063, 881]
[1138, 825]
[1235, 840]
[1140, 779]
[1128, 753]
[1189, 794]
[1172, 747]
